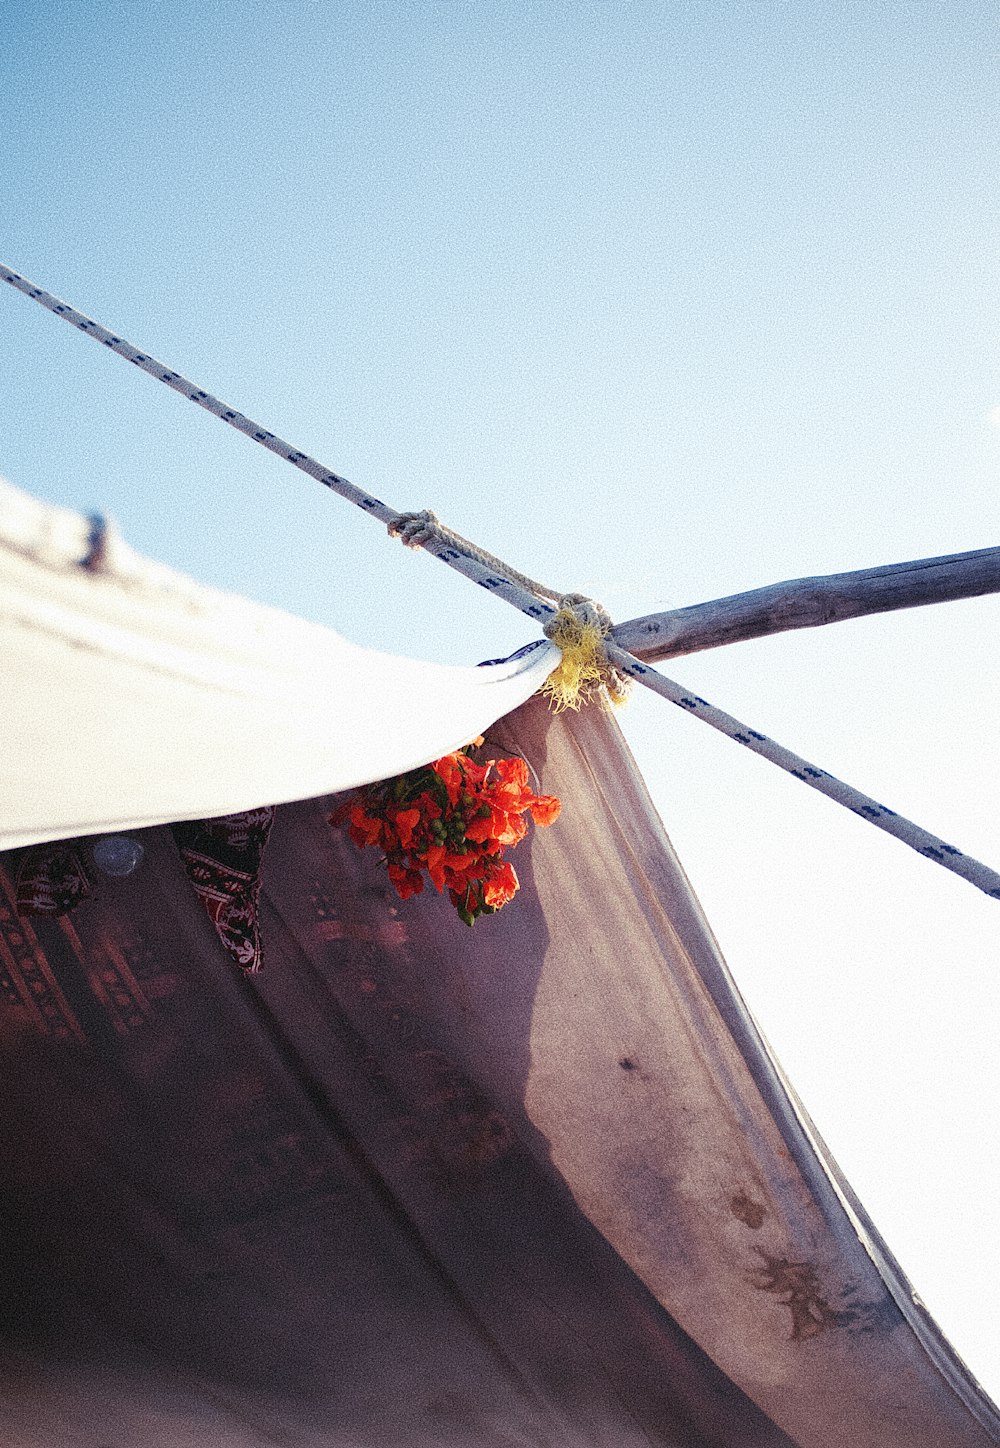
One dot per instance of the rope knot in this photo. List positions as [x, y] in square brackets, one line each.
[584, 673]
[578, 627]
[415, 530]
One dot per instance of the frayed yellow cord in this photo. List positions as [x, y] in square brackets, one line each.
[584, 673]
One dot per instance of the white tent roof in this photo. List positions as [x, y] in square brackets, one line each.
[133, 696]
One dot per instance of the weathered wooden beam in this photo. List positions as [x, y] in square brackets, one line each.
[809, 602]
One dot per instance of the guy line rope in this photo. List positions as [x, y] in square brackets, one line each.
[532, 599]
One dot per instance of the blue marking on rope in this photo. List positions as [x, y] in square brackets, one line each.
[950, 850]
[693, 704]
[372, 503]
[814, 773]
[753, 732]
[296, 457]
[263, 436]
[490, 582]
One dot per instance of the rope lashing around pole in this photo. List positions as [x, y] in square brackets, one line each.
[578, 627]
[586, 673]
[468, 560]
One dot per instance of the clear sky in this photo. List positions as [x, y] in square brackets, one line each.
[660, 301]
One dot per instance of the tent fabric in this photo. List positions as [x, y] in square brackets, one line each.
[534, 1183]
[132, 696]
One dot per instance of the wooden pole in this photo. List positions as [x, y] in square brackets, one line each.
[809, 602]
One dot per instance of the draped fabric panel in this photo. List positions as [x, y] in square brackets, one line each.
[534, 1183]
[130, 696]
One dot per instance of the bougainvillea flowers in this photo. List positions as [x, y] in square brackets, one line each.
[451, 820]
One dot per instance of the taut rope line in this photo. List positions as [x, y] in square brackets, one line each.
[424, 531]
[420, 530]
[452, 553]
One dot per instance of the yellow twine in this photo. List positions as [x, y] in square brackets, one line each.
[584, 673]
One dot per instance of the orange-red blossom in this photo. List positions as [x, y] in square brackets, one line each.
[454, 819]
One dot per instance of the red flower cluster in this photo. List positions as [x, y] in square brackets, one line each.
[453, 818]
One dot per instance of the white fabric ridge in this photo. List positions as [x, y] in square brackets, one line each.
[132, 696]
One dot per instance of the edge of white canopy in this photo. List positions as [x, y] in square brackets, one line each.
[133, 696]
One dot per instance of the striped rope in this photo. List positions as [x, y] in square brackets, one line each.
[442, 547]
[416, 530]
[921, 840]
[450, 551]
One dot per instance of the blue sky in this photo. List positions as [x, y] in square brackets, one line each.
[660, 302]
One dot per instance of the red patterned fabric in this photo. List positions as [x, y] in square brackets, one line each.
[222, 858]
[51, 880]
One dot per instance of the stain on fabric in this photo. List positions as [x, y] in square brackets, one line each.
[796, 1285]
[747, 1211]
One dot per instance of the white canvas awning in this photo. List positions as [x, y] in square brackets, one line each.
[131, 696]
[541, 1182]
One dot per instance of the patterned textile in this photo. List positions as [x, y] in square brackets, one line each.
[428, 1187]
[52, 879]
[222, 858]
